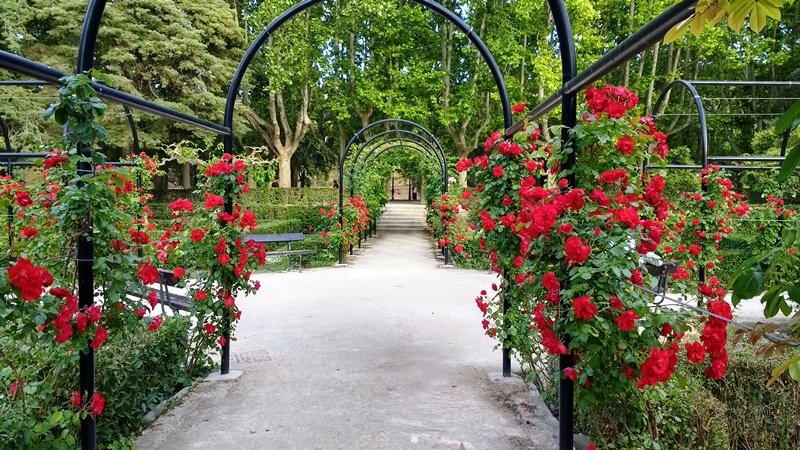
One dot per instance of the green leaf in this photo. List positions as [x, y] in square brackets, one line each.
[749, 283]
[794, 370]
[789, 119]
[790, 163]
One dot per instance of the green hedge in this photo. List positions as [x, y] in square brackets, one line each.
[279, 227]
[691, 411]
[273, 196]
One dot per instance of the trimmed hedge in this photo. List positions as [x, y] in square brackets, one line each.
[272, 196]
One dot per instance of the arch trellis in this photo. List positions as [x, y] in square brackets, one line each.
[393, 137]
[566, 97]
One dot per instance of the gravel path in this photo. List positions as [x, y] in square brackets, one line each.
[386, 353]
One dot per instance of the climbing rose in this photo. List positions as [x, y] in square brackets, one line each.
[98, 403]
[222, 342]
[76, 399]
[210, 329]
[570, 373]
[576, 251]
[200, 295]
[584, 308]
[29, 232]
[155, 323]
[695, 352]
[518, 108]
[179, 272]
[181, 205]
[497, 171]
[626, 320]
[658, 367]
[30, 280]
[459, 249]
[197, 235]
[148, 274]
[153, 298]
[224, 258]
[625, 145]
[550, 282]
[212, 201]
[615, 302]
[100, 336]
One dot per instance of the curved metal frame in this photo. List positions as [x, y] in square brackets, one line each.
[701, 113]
[380, 148]
[306, 4]
[440, 156]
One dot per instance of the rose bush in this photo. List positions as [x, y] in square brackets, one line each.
[569, 245]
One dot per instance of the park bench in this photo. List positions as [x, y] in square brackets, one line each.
[287, 238]
[167, 279]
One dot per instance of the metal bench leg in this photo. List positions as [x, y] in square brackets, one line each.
[300, 266]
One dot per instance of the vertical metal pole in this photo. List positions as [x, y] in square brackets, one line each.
[86, 47]
[446, 255]
[569, 69]
[10, 214]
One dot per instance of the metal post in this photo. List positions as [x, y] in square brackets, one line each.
[446, 255]
[85, 261]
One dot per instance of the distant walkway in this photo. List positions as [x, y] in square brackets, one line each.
[387, 353]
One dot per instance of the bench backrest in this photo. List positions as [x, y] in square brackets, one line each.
[285, 237]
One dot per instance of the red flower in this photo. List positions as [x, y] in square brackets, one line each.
[584, 308]
[197, 235]
[153, 298]
[459, 249]
[148, 274]
[60, 292]
[695, 352]
[550, 282]
[229, 301]
[222, 341]
[181, 205]
[14, 386]
[570, 373]
[29, 232]
[210, 329]
[636, 277]
[98, 403]
[626, 320]
[100, 336]
[213, 201]
[497, 171]
[200, 295]
[23, 198]
[591, 447]
[179, 272]
[155, 324]
[30, 280]
[224, 258]
[518, 108]
[658, 367]
[625, 145]
[238, 165]
[76, 399]
[576, 251]
[82, 321]
[615, 303]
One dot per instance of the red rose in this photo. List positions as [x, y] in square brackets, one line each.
[148, 274]
[224, 258]
[518, 108]
[570, 373]
[210, 329]
[179, 272]
[197, 235]
[625, 145]
[229, 301]
[30, 280]
[76, 399]
[100, 336]
[615, 303]
[576, 251]
[181, 205]
[497, 171]
[200, 295]
[238, 165]
[658, 367]
[98, 403]
[695, 353]
[155, 324]
[222, 341]
[550, 282]
[213, 201]
[626, 320]
[459, 249]
[584, 308]
[29, 232]
[153, 298]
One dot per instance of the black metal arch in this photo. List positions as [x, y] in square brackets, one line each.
[306, 4]
[705, 158]
[400, 143]
[434, 146]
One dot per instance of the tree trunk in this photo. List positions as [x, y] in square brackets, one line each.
[284, 170]
[187, 176]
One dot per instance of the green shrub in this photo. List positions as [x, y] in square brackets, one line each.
[136, 370]
[279, 227]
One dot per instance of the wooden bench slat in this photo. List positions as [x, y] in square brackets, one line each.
[275, 238]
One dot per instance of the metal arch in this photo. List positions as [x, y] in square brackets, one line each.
[400, 145]
[408, 141]
[380, 149]
[306, 4]
[701, 114]
[439, 155]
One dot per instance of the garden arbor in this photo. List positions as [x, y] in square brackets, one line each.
[394, 136]
[572, 83]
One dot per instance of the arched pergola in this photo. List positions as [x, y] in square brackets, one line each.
[417, 138]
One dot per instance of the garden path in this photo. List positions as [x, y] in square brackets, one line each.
[386, 353]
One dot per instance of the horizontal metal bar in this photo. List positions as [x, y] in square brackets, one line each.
[634, 44]
[748, 158]
[725, 167]
[742, 83]
[743, 114]
[22, 83]
[23, 66]
[6, 155]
